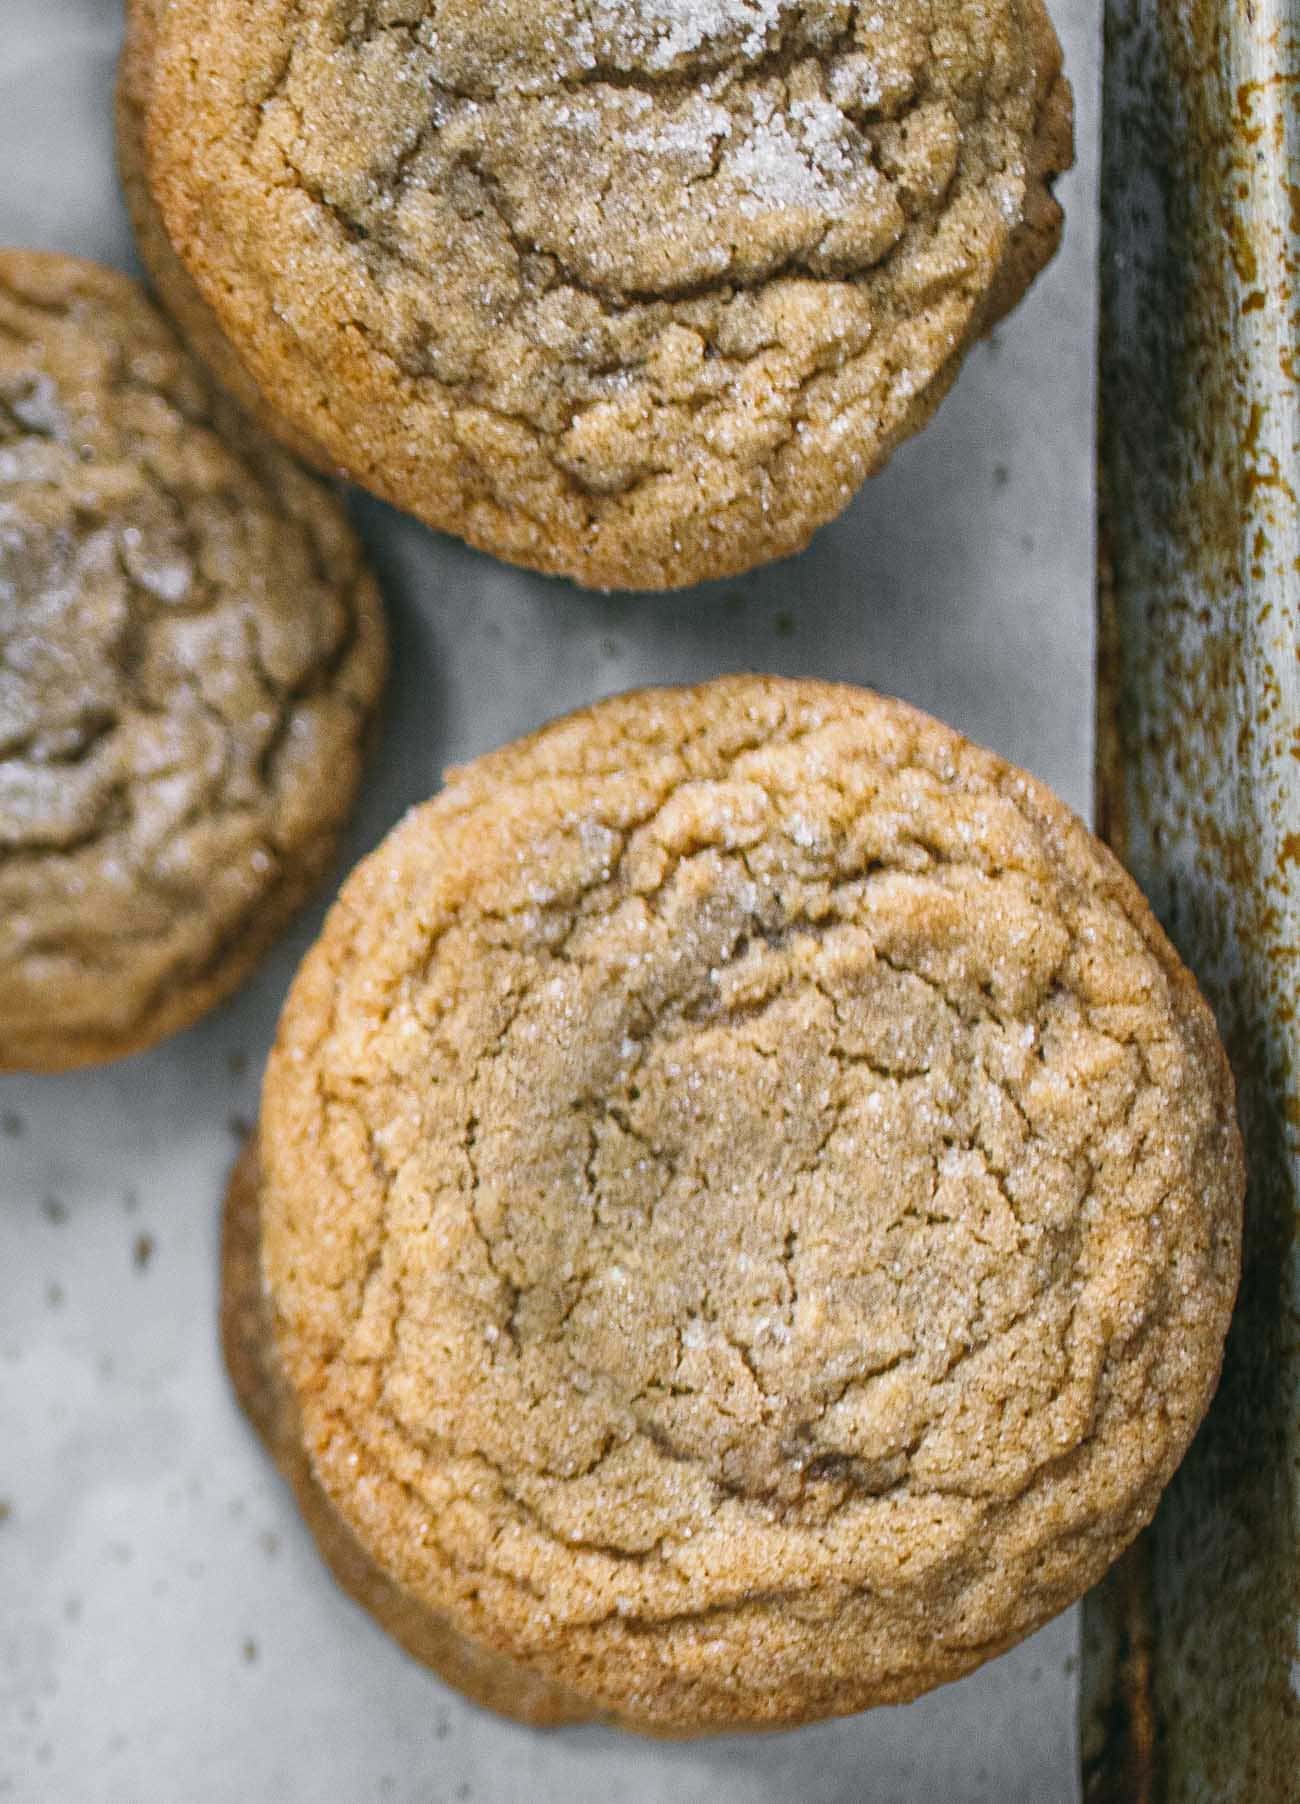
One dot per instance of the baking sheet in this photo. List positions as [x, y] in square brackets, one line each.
[167, 1634]
[1191, 1667]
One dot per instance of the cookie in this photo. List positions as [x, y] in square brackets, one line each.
[636, 292]
[191, 652]
[749, 1208]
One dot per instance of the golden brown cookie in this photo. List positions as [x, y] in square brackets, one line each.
[191, 652]
[636, 291]
[750, 1206]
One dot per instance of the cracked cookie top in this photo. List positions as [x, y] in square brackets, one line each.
[636, 290]
[752, 1203]
[189, 643]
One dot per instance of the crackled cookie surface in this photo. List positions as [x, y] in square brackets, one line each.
[750, 1207]
[634, 290]
[190, 654]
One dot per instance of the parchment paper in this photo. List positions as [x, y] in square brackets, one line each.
[167, 1634]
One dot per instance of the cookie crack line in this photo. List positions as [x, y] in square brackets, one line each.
[362, 227]
[614, 301]
[768, 1508]
[357, 225]
[780, 52]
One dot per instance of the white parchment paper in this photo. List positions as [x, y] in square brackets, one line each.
[167, 1634]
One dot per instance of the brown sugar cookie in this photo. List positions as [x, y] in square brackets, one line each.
[636, 291]
[191, 652]
[750, 1209]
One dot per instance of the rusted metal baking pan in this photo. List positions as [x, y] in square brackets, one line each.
[1192, 1647]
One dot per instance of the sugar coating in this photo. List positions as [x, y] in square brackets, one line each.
[188, 638]
[618, 290]
[751, 1205]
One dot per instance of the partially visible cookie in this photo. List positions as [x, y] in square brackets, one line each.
[191, 653]
[750, 1209]
[637, 292]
